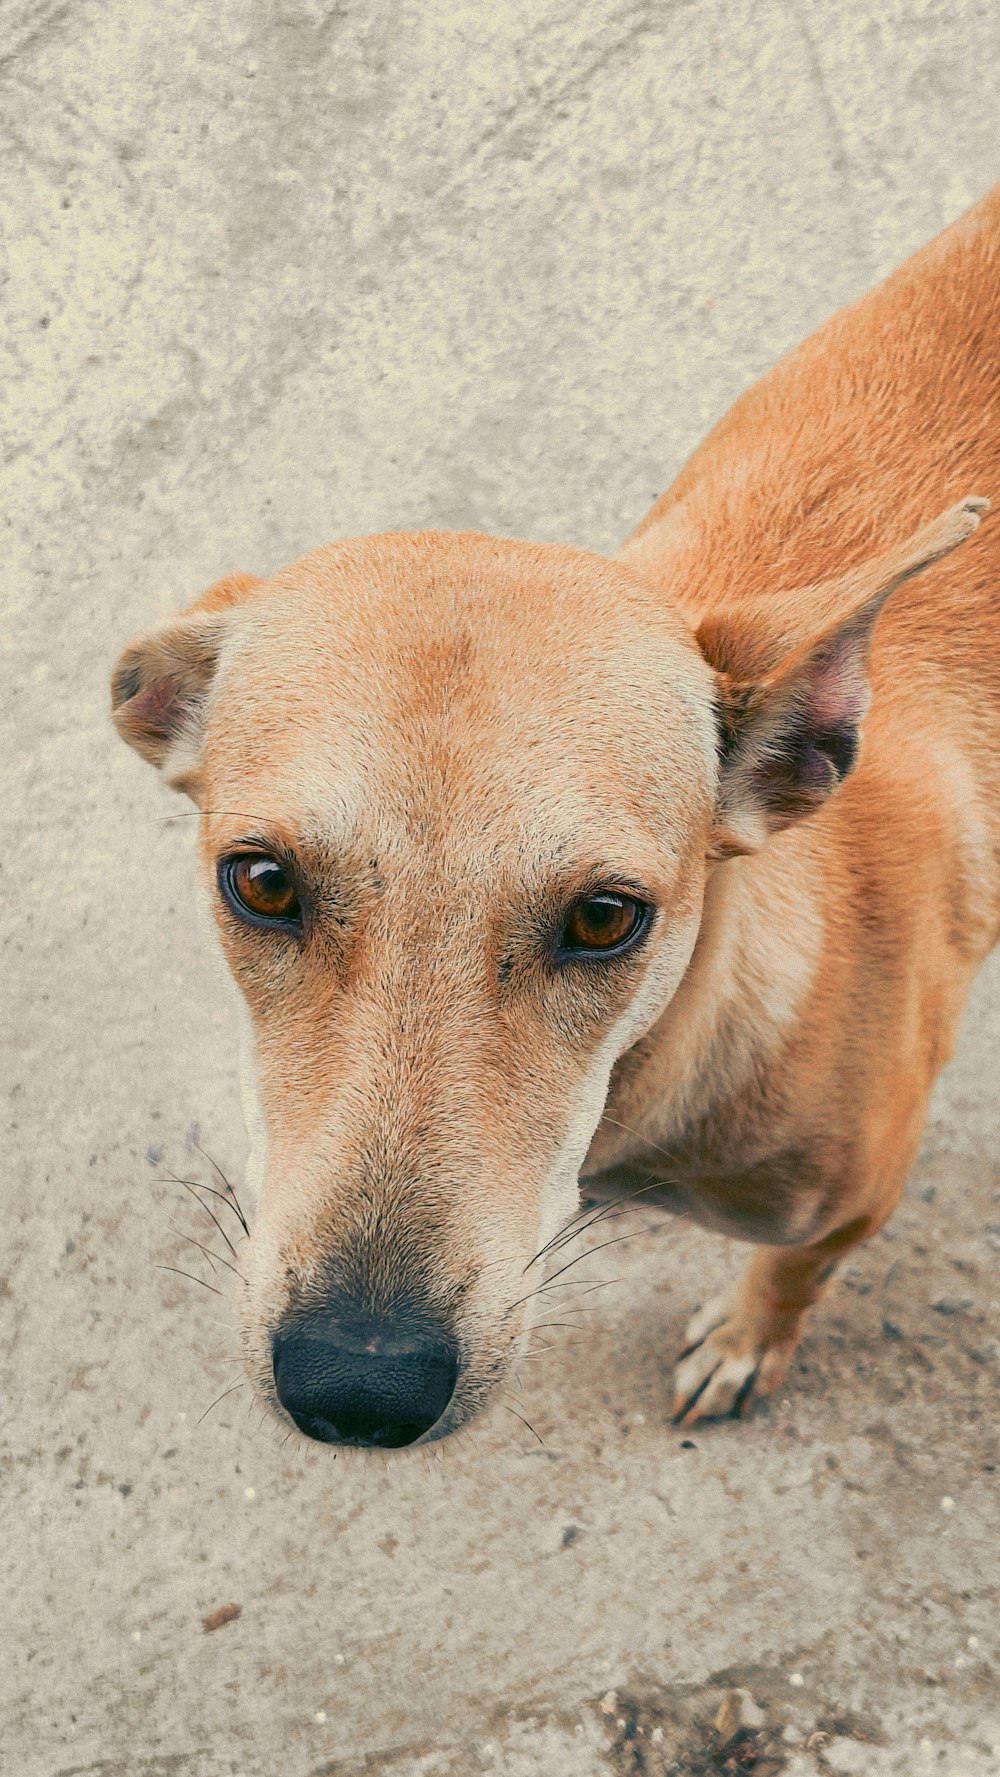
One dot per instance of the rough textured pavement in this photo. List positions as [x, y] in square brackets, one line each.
[281, 272]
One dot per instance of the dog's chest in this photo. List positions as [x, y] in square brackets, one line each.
[778, 1202]
[729, 1166]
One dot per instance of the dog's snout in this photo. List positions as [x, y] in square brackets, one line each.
[352, 1379]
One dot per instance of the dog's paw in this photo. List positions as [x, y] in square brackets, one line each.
[729, 1360]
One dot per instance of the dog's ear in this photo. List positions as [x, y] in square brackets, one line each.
[161, 683]
[790, 738]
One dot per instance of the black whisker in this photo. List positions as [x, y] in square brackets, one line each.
[192, 814]
[566, 1345]
[545, 1289]
[591, 1250]
[194, 1279]
[629, 1130]
[199, 1184]
[574, 1220]
[219, 1398]
[210, 1256]
[615, 1206]
[524, 1422]
[609, 1213]
[189, 1186]
[213, 1258]
[577, 1284]
[578, 1224]
[585, 1210]
[230, 1193]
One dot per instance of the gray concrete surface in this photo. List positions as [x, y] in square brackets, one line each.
[281, 270]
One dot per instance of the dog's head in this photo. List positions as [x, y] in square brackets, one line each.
[457, 800]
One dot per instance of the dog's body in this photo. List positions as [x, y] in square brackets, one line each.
[452, 745]
[789, 1078]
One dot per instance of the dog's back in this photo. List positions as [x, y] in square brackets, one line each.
[881, 418]
[887, 414]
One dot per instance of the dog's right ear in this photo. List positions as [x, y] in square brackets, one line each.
[161, 683]
[790, 737]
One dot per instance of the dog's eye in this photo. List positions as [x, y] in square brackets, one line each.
[603, 923]
[261, 886]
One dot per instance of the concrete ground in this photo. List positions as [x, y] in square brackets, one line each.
[281, 272]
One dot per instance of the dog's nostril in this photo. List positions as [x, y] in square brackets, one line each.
[344, 1381]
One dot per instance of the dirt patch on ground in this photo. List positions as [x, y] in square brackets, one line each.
[745, 1725]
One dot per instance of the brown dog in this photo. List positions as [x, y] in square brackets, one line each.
[533, 866]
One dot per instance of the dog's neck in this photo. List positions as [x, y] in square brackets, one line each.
[754, 960]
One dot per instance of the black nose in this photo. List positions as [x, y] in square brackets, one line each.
[351, 1378]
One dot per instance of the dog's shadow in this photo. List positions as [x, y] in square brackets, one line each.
[873, 1343]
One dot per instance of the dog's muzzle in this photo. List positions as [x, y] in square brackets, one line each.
[350, 1377]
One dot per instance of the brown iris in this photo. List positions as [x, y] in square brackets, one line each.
[261, 885]
[602, 922]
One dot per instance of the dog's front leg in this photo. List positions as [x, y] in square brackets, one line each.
[738, 1347]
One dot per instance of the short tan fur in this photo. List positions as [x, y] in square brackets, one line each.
[773, 720]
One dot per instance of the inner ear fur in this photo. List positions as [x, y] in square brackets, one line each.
[790, 738]
[161, 681]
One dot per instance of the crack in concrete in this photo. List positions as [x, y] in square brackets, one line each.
[841, 159]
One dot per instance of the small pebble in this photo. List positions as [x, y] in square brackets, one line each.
[947, 1504]
[249, 1493]
[609, 1703]
[737, 1711]
[137, 1635]
[320, 1715]
[621, 1722]
[656, 1736]
[797, 1680]
[973, 1643]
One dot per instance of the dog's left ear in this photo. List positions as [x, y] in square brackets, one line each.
[162, 681]
[790, 738]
